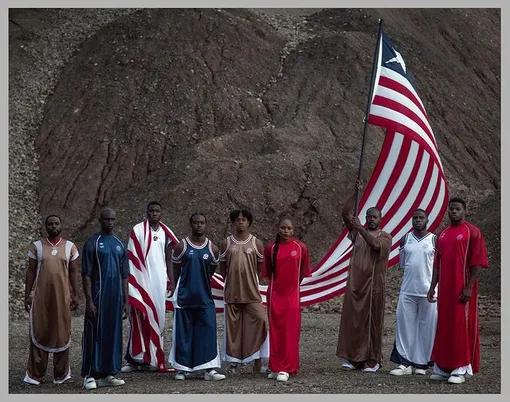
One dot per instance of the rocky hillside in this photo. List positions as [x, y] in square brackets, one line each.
[212, 109]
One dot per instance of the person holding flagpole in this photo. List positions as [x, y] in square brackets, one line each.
[362, 319]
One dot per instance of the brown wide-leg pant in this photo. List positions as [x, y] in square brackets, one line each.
[246, 329]
[38, 363]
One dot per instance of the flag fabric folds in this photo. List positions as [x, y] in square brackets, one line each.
[408, 175]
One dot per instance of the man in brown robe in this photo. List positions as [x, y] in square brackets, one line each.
[362, 320]
[246, 326]
[53, 276]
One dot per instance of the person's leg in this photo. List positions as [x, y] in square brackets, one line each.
[37, 365]
[61, 367]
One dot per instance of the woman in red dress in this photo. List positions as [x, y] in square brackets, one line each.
[287, 262]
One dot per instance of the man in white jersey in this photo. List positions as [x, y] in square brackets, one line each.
[416, 317]
[149, 251]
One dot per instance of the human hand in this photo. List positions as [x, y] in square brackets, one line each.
[465, 295]
[28, 304]
[90, 310]
[430, 296]
[74, 304]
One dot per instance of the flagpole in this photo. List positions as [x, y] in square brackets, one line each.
[367, 112]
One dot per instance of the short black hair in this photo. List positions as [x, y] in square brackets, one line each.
[195, 214]
[421, 210]
[104, 210]
[52, 216]
[244, 212]
[153, 203]
[375, 209]
[459, 200]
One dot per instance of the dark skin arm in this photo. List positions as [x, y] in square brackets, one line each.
[170, 270]
[260, 249]
[465, 294]
[90, 307]
[432, 290]
[73, 280]
[216, 252]
[29, 283]
[125, 293]
[223, 264]
[372, 241]
[176, 267]
[348, 209]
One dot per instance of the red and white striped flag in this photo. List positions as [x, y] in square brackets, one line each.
[408, 175]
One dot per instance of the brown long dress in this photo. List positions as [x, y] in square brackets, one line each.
[362, 319]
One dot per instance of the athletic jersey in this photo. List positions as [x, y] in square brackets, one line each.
[241, 259]
[417, 259]
[193, 288]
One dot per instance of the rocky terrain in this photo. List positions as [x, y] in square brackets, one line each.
[214, 109]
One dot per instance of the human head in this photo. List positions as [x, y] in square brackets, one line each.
[456, 210]
[285, 228]
[420, 219]
[242, 218]
[197, 222]
[154, 212]
[53, 225]
[107, 220]
[373, 217]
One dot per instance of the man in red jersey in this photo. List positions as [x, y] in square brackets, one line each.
[460, 253]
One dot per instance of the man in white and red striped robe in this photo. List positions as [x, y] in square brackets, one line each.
[149, 248]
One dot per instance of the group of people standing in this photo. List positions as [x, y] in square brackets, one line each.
[442, 331]
[134, 282]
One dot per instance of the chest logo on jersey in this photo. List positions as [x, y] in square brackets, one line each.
[293, 253]
[249, 250]
[118, 248]
[101, 245]
[54, 252]
[155, 238]
[459, 237]
[206, 256]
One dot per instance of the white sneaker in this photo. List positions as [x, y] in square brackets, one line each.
[402, 370]
[213, 375]
[128, 368]
[438, 377]
[456, 379]
[30, 381]
[110, 381]
[180, 376]
[63, 380]
[272, 375]
[371, 369]
[347, 365]
[89, 383]
[420, 371]
[282, 376]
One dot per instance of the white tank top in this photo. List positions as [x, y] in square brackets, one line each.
[417, 259]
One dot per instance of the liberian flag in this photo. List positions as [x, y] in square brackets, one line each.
[408, 175]
[145, 329]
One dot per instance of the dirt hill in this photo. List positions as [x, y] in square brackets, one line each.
[213, 109]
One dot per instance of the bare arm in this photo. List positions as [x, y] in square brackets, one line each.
[90, 307]
[465, 295]
[73, 280]
[435, 279]
[170, 269]
[223, 264]
[29, 282]
[176, 266]
[260, 262]
[216, 252]
[373, 242]
[348, 209]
